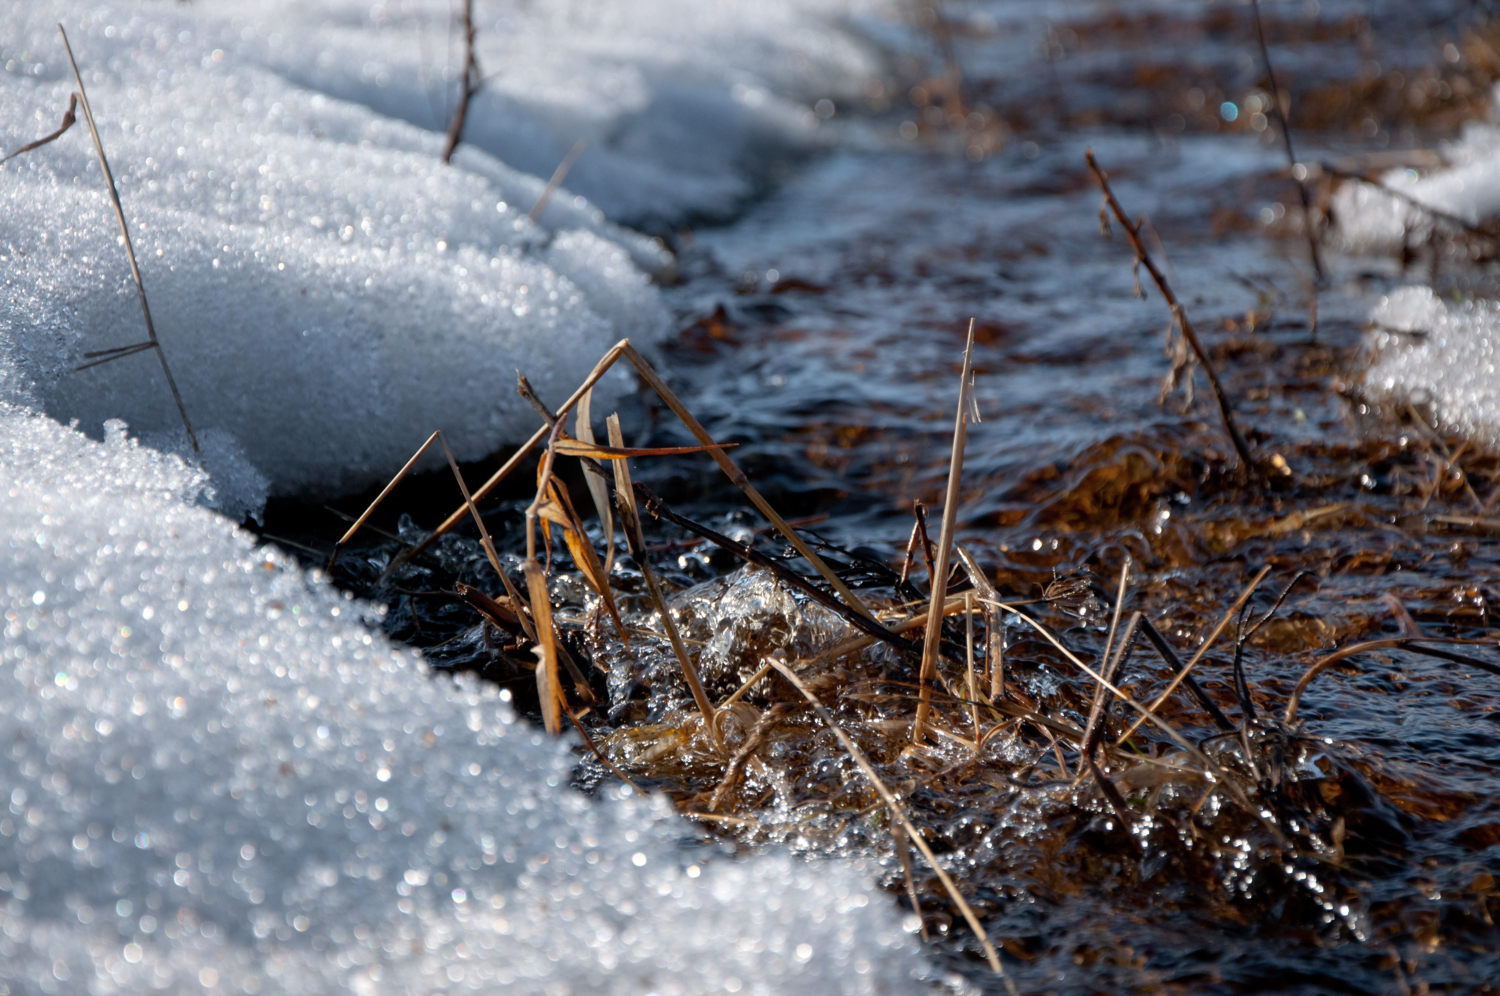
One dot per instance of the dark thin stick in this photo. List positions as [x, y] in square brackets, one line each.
[1286, 138]
[67, 122]
[469, 86]
[1226, 411]
[1170, 656]
[109, 356]
[135, 270]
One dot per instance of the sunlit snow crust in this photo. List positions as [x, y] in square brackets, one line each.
[218, 780]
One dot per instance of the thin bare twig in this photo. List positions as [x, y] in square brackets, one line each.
[1226, 411]
[1286, 138]
[135, 270]
[68, 119]
[469, 85]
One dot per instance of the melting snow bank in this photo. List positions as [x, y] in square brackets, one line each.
[327, 290]
[1374, 221]
[219, 780]
[1440, 358]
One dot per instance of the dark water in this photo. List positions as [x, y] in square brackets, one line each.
[823, 333]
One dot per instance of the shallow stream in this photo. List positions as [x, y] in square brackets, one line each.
[823, 334]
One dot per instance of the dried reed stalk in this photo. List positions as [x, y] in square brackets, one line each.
[583, 429]
[135, 270]
[899, 812]
[1403, 642]
[733, 472]
[1132, 232]
[994, 657]
[549, 692]
[359, 522]
[945, 541]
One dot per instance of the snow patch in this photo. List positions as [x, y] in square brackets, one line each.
[218, 780]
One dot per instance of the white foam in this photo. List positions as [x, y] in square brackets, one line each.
[1441, 358]
[218, 780]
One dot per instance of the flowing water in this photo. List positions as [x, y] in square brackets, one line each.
[823, 334]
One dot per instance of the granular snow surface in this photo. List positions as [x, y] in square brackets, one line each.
[220, 780]
[327, 290]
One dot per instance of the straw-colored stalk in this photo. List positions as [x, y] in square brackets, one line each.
[945, 542]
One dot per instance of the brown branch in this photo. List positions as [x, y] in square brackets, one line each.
[1132, 232]
[67, 122]
[1286, 138]
[469, 86]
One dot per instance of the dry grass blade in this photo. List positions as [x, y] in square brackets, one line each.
[994, 658]
[1226, 412]
[631, 519]
[583, 428]
[945, 539]
[68, 119]
[1213, 635]
[649, 374]
[135, 270]
[557, 508]
[600, 369]
[359, 522]
[558, 176]
[973, 682]
[1109, 643]
[899, 812]
[549, 692]
[902, 847]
